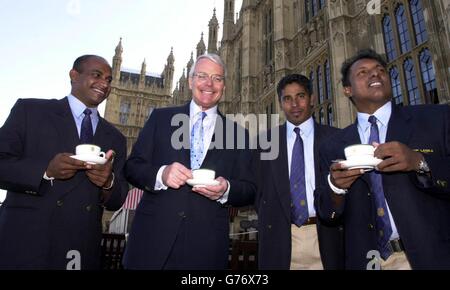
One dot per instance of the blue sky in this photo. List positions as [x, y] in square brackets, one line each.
[41, 39]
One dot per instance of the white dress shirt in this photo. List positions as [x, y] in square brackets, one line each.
[307, 135]
[383, 115]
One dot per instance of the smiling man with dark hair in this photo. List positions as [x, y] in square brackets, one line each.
[396, 216]
[54, 203]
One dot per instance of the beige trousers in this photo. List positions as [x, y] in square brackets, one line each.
[305, 254]
[396, 261]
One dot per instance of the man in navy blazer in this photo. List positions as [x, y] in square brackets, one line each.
[177, 226]
[410, 226]
[51, 217]
[282, 244]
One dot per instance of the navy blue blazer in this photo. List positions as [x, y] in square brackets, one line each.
[273, 204]
[40, 223]
[178, 228]
[420, 207]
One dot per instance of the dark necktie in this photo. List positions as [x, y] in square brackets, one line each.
[197, 142]
[383, 224]
[86, 132]
[299, 208]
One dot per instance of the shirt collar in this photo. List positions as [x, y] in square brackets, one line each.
[383, 115]
[194, 109]
[306, 128]
[77, 107]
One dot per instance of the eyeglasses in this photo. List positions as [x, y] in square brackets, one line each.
[203, 77]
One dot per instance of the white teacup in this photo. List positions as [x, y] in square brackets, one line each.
[204, 174]
[359, 151]
[89, 149]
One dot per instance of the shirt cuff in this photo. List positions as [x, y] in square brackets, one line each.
[159, 185]
[224, 197]
[334, 188]
[48, 178]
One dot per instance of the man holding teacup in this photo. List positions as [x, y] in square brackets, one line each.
[395, 216]
[181, 222]
[51, 217]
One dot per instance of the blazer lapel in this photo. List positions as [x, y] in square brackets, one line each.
[102, 136]
[66, 128]
[352, 137]
[185, 153]
[399, 128]
[280, 173]
[317, 138]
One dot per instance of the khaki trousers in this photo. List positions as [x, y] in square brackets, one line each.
[396, 261]
[305, 254]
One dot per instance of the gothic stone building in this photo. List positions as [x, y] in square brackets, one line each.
[271, 38]
[134, 95]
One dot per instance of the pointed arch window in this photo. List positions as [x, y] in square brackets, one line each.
[268, 37]
[314, 7]
[330, 118]
[311, 78]
[320, 84]
[428, 76]
[402, 26]
[418, 21]
[328, 80]
[388, 33]
[396, 86]
[411, 82]
[307, 14]
[322, 116]
[321, 4]
[124, 113]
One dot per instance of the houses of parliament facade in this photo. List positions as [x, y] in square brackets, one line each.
[268, 39]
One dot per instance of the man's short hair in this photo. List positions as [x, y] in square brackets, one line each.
[212, 57]
[362, 54]
[78, 63]
[299, 79]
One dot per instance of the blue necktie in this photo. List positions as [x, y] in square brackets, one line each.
[86, 132]
[383, 224]
[299, 208]
[197, 142]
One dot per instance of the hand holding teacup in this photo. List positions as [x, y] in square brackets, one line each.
[213, 192]
[342, 177]
[63, 166]
[101, 174]
[397, 157]
[175, 175]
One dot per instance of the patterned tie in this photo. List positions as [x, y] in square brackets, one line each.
[383, 224]
[197, 142]
[299, 208]
[86, 132]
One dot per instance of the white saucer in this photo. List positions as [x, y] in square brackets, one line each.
[91, 159]
[202, 183]
[367, 164]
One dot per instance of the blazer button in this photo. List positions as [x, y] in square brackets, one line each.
[371, 227]
[147, 188]
[59, 203]
[369, 194]
[89, 208]
[269, 227]
[264, 202]
[181, 214]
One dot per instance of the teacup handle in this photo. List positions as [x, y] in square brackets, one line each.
[102, 154]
